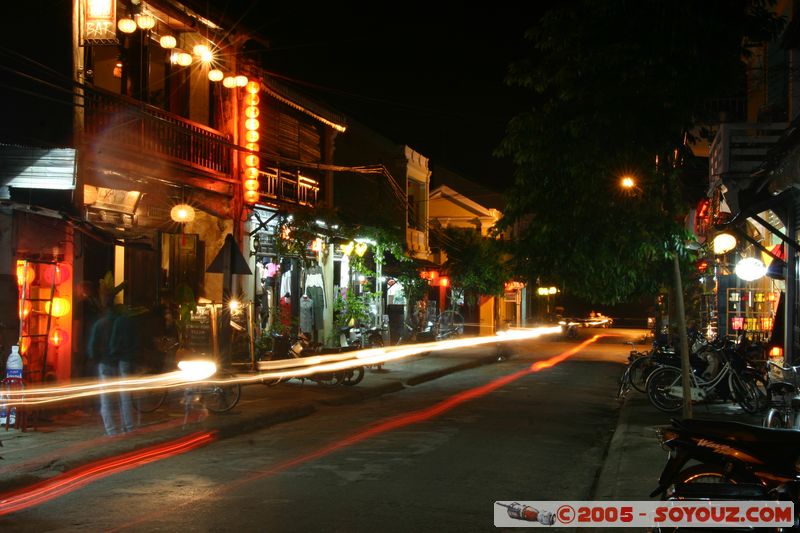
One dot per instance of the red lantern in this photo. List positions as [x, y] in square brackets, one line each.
[24, 344]
[25, 274]
[25, 307]
[58, 337]
[60, 273]
[444, 281]
[737, 323]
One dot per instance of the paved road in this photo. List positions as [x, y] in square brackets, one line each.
[435, 460]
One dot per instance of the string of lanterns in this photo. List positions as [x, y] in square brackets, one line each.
[252, 136]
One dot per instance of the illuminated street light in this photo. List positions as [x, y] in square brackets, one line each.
[627, 182]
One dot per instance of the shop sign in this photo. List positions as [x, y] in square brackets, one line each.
[100, 22]
[198, 331]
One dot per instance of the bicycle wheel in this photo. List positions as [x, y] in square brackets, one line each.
[222, 397]
[774, 419]
[640, 369]
[744, 392]
[147, 401]
[664, 389]
[624, 383]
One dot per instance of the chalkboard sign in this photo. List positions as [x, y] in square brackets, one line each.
[198, 332]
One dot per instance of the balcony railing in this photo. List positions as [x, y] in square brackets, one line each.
[149, 130]
[288, 186]
[740, 148]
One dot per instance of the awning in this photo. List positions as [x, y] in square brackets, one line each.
[36, 168]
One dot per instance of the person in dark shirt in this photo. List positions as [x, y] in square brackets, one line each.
[113, 347]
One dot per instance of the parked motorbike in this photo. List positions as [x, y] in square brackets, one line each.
[736, 461]
[285, 347]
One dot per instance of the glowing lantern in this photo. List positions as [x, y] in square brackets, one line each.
[241, 80]
[252, 136]
[251, 124]
[444, 281]
[251, 197]
[251, 160]
[145, 21]
[361, 249]
[724, 243]
[184, 59]
[24, 344]
[316, 245]
[58, 337]
[182, 213]
[58, 307]
[250, 173]
[251, 185]
[229, 82]
[737, 323]
[200, 50]
[252, 99]
[750, 269]
[56, 274]
[251, 112]
[25, 274]
[215, 75]
[253, 87]
[168, 42]
[347, 249]
[24, 309]
[252, 146]
[126, 25]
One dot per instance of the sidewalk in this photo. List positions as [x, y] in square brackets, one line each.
[635, 458]
[76, 437]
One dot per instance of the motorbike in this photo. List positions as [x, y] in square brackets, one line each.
[285, 347]
[736, 461]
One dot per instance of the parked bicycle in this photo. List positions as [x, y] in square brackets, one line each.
[219, 393]
[784, 399]
[640, 365]
[665, 386]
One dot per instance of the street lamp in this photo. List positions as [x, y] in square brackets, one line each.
[627, 182]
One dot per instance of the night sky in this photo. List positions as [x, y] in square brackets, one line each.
[430, 76]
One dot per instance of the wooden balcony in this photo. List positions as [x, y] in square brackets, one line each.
[148, 131]
[739, 149]
[283, 185]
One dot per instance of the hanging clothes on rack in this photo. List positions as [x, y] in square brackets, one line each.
[307, 315]
[315, 289]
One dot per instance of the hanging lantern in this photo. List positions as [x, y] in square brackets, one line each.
[182, 213]
[200, 50]
[724, 243]
[56, 274]
[58, 307]
[361, 249]
[251, 185]
[251, 197]
[145, 21]
[252, 99]
[252, 136]
[253, 147]
[251, 160]
[25, 274]
[184, 59]
[251, 173]
[251, 112]
[750, 269]
[253, 87]
[58, 337]
[24, 309]
[168, 42]
[251, 124]
[316, 245]
[215, 75]
[229, 82]
[347, 249]
[126, 25]
[241, 80]
[444, 281]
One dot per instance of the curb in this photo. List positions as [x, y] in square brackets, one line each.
[435, 374]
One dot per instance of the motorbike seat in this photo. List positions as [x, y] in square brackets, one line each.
[741, 432]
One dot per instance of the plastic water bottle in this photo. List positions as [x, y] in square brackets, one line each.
[13, 371]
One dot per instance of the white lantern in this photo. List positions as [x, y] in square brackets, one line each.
[724, 243]
[184, 59]
[215, 75]
[126, 25]
[229, 82]
[182, 213]
[168, 42]
[751, 269]
[146, 21]
[241, 81]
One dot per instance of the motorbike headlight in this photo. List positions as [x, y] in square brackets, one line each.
[197, 369]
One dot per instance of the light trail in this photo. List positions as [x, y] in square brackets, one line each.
[82, 476]
[279, 369]
[421, 415]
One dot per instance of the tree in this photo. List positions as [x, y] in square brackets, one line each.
[476, 263]
[615, 87]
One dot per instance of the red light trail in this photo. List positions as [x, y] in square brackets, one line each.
[53, 488]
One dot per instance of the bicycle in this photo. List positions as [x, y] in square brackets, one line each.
[218, 395]
[784, 400]
[640, 365]
[665, 387]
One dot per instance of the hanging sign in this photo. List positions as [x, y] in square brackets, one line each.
[99, 22]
